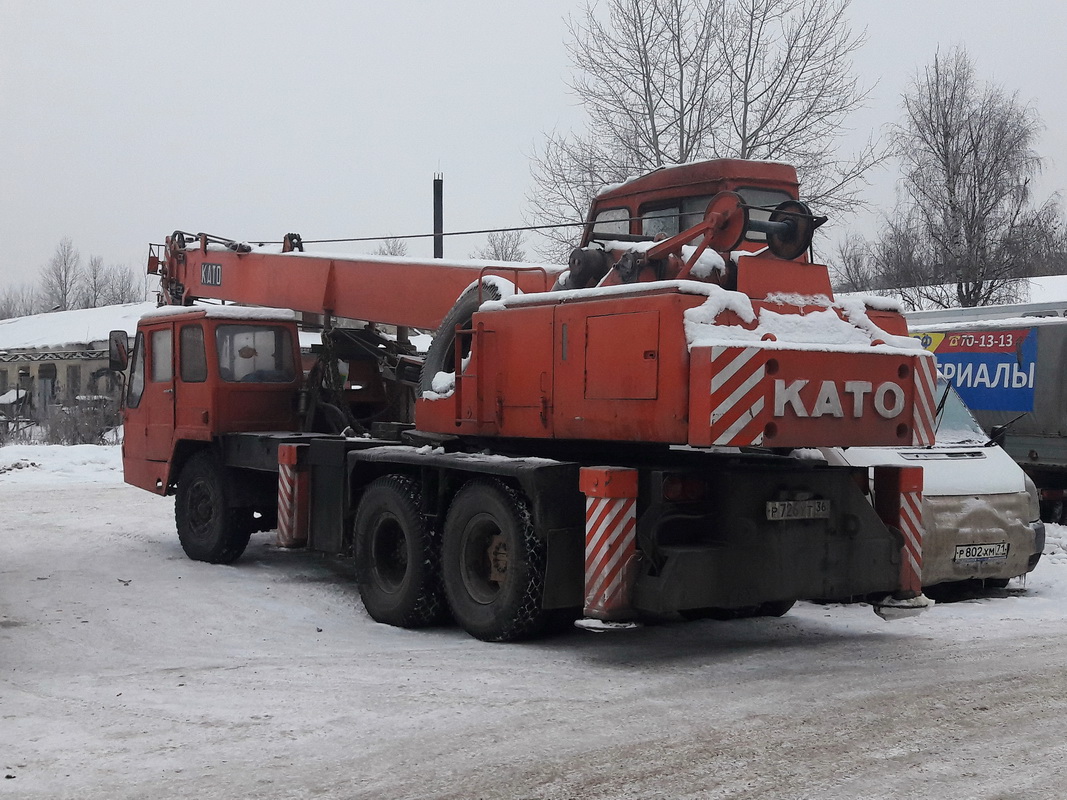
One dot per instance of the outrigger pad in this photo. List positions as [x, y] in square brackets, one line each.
[890, 608]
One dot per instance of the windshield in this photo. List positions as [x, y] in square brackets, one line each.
[688, 211]
[956, 425]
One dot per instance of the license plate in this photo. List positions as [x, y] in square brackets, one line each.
[798, 509]
[981, 552]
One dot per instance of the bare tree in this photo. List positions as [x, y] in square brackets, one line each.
[93, 284]
[852, 267]
[502, 246]
[121, 286]
[392, 247]
[21, 300]
[60, 279]
[967, 156]
[789, 89]
[671, 81]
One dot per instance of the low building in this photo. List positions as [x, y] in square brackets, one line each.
[60, 358]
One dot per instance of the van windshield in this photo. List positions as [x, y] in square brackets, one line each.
[956, 424]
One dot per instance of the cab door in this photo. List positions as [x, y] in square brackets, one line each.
[158, 399]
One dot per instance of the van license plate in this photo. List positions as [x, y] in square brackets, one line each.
[981, 552]
[798, 509]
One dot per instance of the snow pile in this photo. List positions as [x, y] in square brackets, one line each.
[11, 395]
[816, 330]
[709, 263]
[255, 313]
[1055, 544]
[49, 464]
[444, 383]
[504, 288]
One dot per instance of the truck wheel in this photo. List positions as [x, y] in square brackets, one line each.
[208, 528]
[493, 564]
[441, 355]
[396, 556]
[775, 608]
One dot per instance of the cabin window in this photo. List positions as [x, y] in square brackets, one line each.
[136, 388]
[768, 199]
[255, 353]
[162, 355]
[612, 222]
[686, 212]
[672, 219]
[192, 356]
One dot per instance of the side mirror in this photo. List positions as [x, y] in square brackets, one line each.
[118, 350]
[997, 435]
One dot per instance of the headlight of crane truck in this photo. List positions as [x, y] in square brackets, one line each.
[611, 439]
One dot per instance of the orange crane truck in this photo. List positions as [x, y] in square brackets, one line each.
[614, 439]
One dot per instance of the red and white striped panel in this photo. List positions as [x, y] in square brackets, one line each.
[924, 410]
[739, 407]
[286, 505]
[293, 496]
[610, 548]
[911, 526]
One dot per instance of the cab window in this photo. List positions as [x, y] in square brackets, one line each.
[255, 354]
[136, 387]
[612, 222]
[162, 355]
[768, 199]
[192, 358]
[684, 213]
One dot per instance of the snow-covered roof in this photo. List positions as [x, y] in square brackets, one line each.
[60, 329]
[1044, 289]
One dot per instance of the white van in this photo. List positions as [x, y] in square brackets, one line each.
[980, 510]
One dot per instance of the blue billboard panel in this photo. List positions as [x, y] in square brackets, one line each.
[993, 370]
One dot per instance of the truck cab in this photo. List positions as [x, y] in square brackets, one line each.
[672, 199]
[198, 373]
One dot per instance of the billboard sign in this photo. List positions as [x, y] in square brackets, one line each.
[993, 370]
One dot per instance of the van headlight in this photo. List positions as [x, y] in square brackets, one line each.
[1035, 499]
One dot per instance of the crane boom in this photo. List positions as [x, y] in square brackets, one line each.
[384, 289]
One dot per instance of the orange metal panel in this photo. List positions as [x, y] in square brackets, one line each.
[608, 481]
[759, 276]
[607, 413]
[507, 386]
[621, 356]
[745, 396]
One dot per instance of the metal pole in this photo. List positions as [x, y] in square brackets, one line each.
[438, 216]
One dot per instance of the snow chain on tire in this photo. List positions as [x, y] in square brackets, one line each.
[514, 610]
[397, 555]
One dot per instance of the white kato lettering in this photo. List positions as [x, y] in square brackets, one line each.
[887, 399]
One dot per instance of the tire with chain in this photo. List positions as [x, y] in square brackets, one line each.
[209, 528]
[397, 556]
[493, 563]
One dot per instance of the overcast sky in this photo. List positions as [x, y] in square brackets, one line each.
[123, 121]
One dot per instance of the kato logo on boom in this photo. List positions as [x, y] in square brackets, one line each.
[211, 274]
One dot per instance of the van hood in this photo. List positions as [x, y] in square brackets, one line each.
[947, 469]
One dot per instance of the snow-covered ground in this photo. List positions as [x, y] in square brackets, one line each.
[127, 671]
